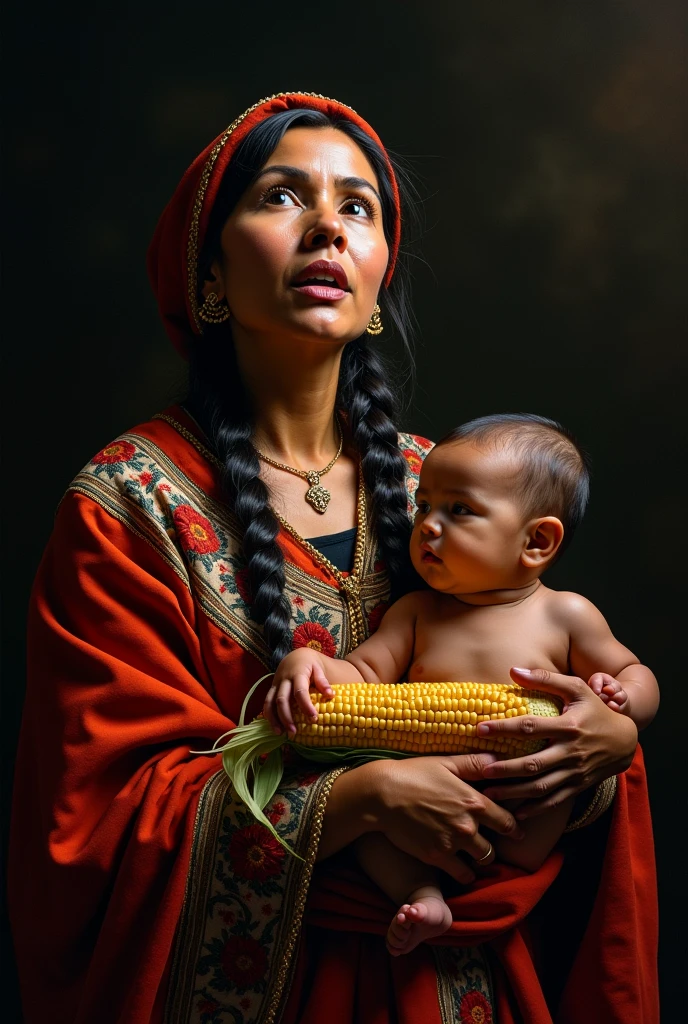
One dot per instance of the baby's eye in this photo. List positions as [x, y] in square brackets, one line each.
[422, 507]
[279, 197]
[461, 510]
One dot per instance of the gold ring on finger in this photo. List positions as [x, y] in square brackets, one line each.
[487, 855]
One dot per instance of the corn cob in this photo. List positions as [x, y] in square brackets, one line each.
[421, 718]
[377, 720]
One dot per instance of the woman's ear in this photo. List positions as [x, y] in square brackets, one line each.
[543, 540]
[213, 281]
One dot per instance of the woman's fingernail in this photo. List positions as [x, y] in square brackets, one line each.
[526, 671]
[483, 729]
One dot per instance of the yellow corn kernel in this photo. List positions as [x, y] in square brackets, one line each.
[417, 718]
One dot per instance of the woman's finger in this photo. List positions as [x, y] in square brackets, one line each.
[568, 688]
[283, 703]
[544, 760]
[534, 808]
[497, 818]
[535, 789]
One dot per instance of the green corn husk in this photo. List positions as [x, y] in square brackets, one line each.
[252, 752]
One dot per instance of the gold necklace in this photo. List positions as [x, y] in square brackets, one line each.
[349, 586]
[316, 495]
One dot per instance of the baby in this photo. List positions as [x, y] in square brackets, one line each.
[498, 500]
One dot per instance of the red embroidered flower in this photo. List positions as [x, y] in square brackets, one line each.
[299, 602]
[255, 853]
[208, 1006]
[243, 960]
[146, 478]
[475, 1009]
[164, 487]
[194, 530]
[118, 451]
[241, 580]
[414, 461]
[375, 615]
[315, 636]
[423, 442]
[276, 812]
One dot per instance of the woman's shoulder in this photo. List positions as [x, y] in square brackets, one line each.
[414, 448]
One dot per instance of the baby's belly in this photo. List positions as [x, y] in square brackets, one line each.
[478, 669]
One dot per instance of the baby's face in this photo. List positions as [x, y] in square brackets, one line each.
[469, 530]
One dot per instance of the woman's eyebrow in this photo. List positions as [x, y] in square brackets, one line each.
[286, 170]
[353, 182]
[300, 175]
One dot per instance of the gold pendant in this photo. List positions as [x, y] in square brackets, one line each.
[317, 495]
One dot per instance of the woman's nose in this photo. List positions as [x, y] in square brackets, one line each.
[326, 232]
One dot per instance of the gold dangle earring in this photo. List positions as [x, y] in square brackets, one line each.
[214, 310]
[375, 322]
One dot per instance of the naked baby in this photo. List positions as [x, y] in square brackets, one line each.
[498, 500]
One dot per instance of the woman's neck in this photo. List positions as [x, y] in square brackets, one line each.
[293, 391]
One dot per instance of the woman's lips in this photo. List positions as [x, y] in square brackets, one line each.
[323, 279]
[323, 291]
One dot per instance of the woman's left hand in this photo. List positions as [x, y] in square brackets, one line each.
[587, 744]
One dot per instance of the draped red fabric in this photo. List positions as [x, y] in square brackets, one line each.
[126, 674]
[169, 256]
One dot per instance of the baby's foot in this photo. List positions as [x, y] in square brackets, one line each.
[415, 922]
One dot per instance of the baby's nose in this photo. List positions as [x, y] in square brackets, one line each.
[431, 526]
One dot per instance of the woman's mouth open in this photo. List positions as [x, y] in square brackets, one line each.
[323, 280]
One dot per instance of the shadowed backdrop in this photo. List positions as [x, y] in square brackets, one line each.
[549, 145]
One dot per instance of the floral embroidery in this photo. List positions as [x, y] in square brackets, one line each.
[415, 462]
[241, 579]
[113, 459]
[244, 961]
[255, 853]
[194, 531]
[474, 1008]
[315, 636]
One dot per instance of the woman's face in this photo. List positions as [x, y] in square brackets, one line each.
[304, 251]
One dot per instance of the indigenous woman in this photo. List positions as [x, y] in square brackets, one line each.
[179, 574]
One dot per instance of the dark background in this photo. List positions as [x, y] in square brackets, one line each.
[550, 144]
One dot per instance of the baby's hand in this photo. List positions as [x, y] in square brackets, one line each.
[294, 676]
[611, 691]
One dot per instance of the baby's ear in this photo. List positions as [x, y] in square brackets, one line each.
[544, 537]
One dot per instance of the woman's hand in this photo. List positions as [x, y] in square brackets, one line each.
[587, 744]
[423, 805]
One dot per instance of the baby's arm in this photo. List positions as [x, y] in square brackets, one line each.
[609, 668]
[384, 657]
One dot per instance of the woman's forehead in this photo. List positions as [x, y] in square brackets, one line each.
[322, 152]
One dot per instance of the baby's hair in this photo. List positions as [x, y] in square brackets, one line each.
[555, 478]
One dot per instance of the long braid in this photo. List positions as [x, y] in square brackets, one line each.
[370, 404]
[227, 417]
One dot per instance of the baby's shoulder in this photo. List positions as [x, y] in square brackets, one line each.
[570, 611]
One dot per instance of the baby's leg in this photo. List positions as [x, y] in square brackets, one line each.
[412, 885]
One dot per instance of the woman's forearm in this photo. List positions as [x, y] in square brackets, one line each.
[352, 809]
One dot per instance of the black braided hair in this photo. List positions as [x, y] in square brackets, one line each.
[223, 407]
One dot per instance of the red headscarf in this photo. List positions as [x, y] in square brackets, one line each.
[178, 239]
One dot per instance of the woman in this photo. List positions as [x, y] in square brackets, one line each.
[178, 575]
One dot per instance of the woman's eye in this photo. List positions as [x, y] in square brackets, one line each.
[357, 209]
[279, 198]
